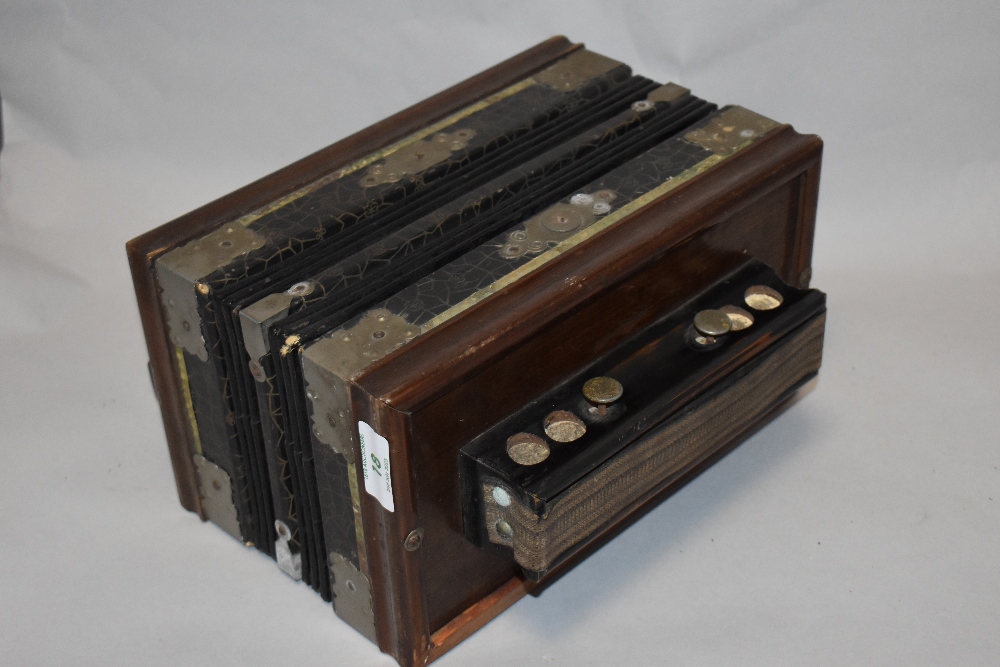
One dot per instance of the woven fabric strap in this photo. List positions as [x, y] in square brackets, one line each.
[665, 454]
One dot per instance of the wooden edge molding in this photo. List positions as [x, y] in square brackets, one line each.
[475, 617]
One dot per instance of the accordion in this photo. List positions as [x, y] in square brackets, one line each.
[429, 368]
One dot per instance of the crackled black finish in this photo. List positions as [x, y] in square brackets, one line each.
[326, 220]
[340, 204]
[347, 289]
[336, 504]
[465, 223]
[435, 293]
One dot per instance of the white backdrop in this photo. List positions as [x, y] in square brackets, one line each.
[863, 527]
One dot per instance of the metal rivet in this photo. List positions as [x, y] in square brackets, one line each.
[762, 297]
[519, 235]
[501, 497]
[503, 529]
[642, 105]
[378, 334]
[739, 318]
[527, 449]
[605, 195]
[256, 370]
[602, 390]
[202, 289]
[601, 207]
[413, 540]
[581, 199]
[564, 426]
[747, 133]
[565, 220]
[510, 251]
[712, 322]
[301, 289]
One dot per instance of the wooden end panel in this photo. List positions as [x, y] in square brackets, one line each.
[393, 571]
[477, 368]
[145, 249]
[166, 377]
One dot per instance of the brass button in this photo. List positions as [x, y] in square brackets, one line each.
[527, 449]
[602, 390]
[563, 426]
[712, 322]
[740, 318]
[762, 297]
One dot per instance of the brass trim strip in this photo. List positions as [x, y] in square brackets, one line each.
[391, 148]
[188, 401]
[595, 228]
[359, 529]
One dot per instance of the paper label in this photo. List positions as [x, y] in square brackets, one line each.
[375, 454]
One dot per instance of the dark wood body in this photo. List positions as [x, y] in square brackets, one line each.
[512, 347]
[145, 249]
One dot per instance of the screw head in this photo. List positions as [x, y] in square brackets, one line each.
[413, 540]
[602, 390]
[805, 277]
[563, 219]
